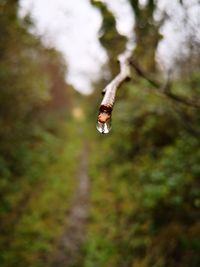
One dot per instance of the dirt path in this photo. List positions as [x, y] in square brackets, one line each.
[68, 251]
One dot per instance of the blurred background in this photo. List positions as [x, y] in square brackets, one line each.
[70, 196]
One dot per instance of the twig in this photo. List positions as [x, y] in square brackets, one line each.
[110, 90]
[164, 88]
[143, 74]
[183, 100]
[105, 109]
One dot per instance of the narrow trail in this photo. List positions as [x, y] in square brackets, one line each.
[68, 252]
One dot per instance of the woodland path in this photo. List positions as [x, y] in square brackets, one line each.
[68, 252]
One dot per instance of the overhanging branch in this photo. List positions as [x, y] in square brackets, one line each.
[164, 88]
[109, 92]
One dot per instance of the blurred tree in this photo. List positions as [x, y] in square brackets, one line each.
[31, 79]
[23, 87]
[109, 37]
[146, 32]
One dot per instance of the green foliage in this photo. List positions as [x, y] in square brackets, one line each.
[145, 183]
[27, 89]
[34, 144]
[146, 172]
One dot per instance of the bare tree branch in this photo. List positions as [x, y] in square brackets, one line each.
[183, 100]
[142, 74]
[110, 90]
[164, 88]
